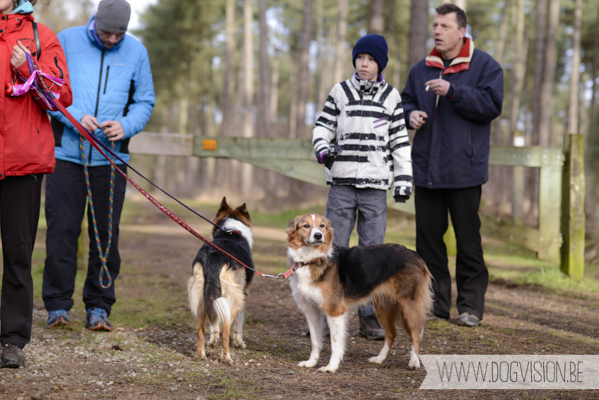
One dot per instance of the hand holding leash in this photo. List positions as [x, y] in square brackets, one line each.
[18, 55]
[327, 157]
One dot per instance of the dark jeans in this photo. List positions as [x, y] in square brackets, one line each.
[19, 216]
[472, 276]
[371, 206]
[66, 198]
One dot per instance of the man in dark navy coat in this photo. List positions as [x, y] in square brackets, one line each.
[450, 99]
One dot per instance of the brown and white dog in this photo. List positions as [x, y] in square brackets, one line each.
[217, 289]
[331, 280]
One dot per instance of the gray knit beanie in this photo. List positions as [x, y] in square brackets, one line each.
[113, 16]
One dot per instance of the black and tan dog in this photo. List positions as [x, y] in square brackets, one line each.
[217, 289]
[331, 280]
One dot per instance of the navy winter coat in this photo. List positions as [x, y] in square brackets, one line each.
[451, 150]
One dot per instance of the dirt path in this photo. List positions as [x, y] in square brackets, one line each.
[150, 353]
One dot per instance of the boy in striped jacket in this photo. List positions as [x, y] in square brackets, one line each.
[361, 138]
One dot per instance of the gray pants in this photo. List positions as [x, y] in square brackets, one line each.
[371, 208]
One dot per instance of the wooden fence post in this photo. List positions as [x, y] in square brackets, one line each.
[573, 219]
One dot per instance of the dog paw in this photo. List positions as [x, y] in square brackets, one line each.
[201, 355]
[375, 360]
[328, 368]
[414, 364]
[307, 364]
[239, 344]
[228, 360]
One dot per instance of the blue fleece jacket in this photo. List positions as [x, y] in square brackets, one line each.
[110, 84]
[451, 150]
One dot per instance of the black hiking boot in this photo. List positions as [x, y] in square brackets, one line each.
[12, 356]
[370, 328]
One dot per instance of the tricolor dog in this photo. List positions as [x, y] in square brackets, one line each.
[217, 289]
[331, 280]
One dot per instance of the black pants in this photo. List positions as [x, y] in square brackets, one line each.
[19, 216]
[472, 276]
[66, 197]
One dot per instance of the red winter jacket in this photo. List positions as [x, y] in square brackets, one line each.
[26, 138]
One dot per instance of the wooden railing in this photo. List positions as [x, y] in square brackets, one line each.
[295, 158]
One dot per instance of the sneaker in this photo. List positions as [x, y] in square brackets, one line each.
[466, 319]
[97, 320]
[370, 328]
[58, 318]
[12, 356]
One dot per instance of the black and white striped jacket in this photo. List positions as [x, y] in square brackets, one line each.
[366, 119]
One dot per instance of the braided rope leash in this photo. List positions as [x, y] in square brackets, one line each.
[103, 256]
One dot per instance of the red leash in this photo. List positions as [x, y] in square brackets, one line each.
[49, 98]
[159, 205]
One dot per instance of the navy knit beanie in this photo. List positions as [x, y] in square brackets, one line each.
[372, 44]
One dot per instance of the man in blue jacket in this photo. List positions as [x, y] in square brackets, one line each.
[113, 97]
[450, 99]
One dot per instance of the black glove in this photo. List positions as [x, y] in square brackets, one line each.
[329, 157]
[401, 197]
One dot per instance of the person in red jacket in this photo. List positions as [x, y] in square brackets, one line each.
[26, 153]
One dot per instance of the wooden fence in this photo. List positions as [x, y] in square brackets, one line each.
[295, 158]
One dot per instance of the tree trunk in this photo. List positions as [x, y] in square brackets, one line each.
[264, 116]
[573, 122]
[520, 47]
[319, 56]
[248, 92]
[394, 47]
[538, 70]
[546, 99]
[592, 122]
[418, 31]
[340, 42]
[229, 78]
[377, 21]
[501, 39]
[274, 96]
[293, 92]
[304, 71]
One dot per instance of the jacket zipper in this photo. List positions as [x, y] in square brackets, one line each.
[98, 100]
[437, 101]
[106, 81]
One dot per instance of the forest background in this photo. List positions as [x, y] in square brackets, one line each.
[263, 68]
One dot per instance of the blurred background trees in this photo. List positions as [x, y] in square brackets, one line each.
[264, 68]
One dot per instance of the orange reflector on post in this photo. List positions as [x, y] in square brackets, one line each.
[208, 144]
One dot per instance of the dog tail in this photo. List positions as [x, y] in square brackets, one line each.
[222, 308]
[195, 288]
[212, 292]
[425, 294]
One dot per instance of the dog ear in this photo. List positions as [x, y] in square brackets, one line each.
[330, 230]
[242, 209]
[292, 225]
[223, 206]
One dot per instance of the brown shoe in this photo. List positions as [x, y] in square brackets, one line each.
[12, 356]
[370, 328]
